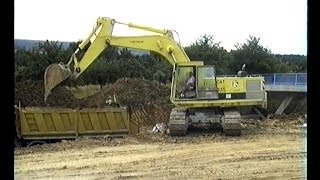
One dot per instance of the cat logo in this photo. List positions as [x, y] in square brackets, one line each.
[235, 83]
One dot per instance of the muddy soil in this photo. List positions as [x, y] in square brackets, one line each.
[269, 149]
[148, 101]
[130, 91]
[31, 93]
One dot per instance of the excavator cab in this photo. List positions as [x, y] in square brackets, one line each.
[185, 90]
[205, 86]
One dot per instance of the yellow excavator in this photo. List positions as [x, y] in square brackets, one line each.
[212, 99]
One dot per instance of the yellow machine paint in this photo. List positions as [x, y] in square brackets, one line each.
[231, 85]
[34, 123]
[213, 100]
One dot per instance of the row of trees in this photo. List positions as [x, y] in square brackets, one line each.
[115, 63]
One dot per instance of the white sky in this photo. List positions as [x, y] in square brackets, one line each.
[281, 24]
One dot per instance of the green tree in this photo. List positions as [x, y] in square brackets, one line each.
[209, 51]
[258, 59]
[296, 63]
[31, 64]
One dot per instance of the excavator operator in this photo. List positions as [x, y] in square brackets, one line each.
[190, 83]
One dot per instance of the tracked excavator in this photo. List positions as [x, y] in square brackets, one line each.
[214, 100]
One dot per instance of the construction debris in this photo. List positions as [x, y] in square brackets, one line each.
[160, 128]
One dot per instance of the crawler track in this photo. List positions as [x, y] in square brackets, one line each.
[231, 122]
[178, 124]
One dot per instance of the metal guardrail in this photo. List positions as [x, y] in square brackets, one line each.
[286, 79]
[286, 82]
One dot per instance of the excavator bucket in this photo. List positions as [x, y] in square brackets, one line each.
[54, 75]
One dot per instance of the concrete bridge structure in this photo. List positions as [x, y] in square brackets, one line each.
[289, 83]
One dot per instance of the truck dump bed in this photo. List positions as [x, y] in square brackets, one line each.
[61, 123]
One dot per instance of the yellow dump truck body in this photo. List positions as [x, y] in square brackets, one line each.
[62, 123]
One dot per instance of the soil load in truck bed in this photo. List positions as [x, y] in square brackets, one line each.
[148, 101]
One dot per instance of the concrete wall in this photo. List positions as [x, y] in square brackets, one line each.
[297, 105]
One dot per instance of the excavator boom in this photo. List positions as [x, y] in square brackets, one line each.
[100, 38]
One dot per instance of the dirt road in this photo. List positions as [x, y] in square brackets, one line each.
[268, 150]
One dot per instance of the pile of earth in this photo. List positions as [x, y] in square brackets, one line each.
[151, 114]
[148, 101]
[31, 93]
[130, 91]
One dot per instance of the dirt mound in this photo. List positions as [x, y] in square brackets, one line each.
[150, 114]
[31, 93]
[148, 101]
[133, 92]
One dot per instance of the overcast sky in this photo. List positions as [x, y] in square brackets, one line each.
[281, 24]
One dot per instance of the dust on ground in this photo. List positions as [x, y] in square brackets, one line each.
[270, 149]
